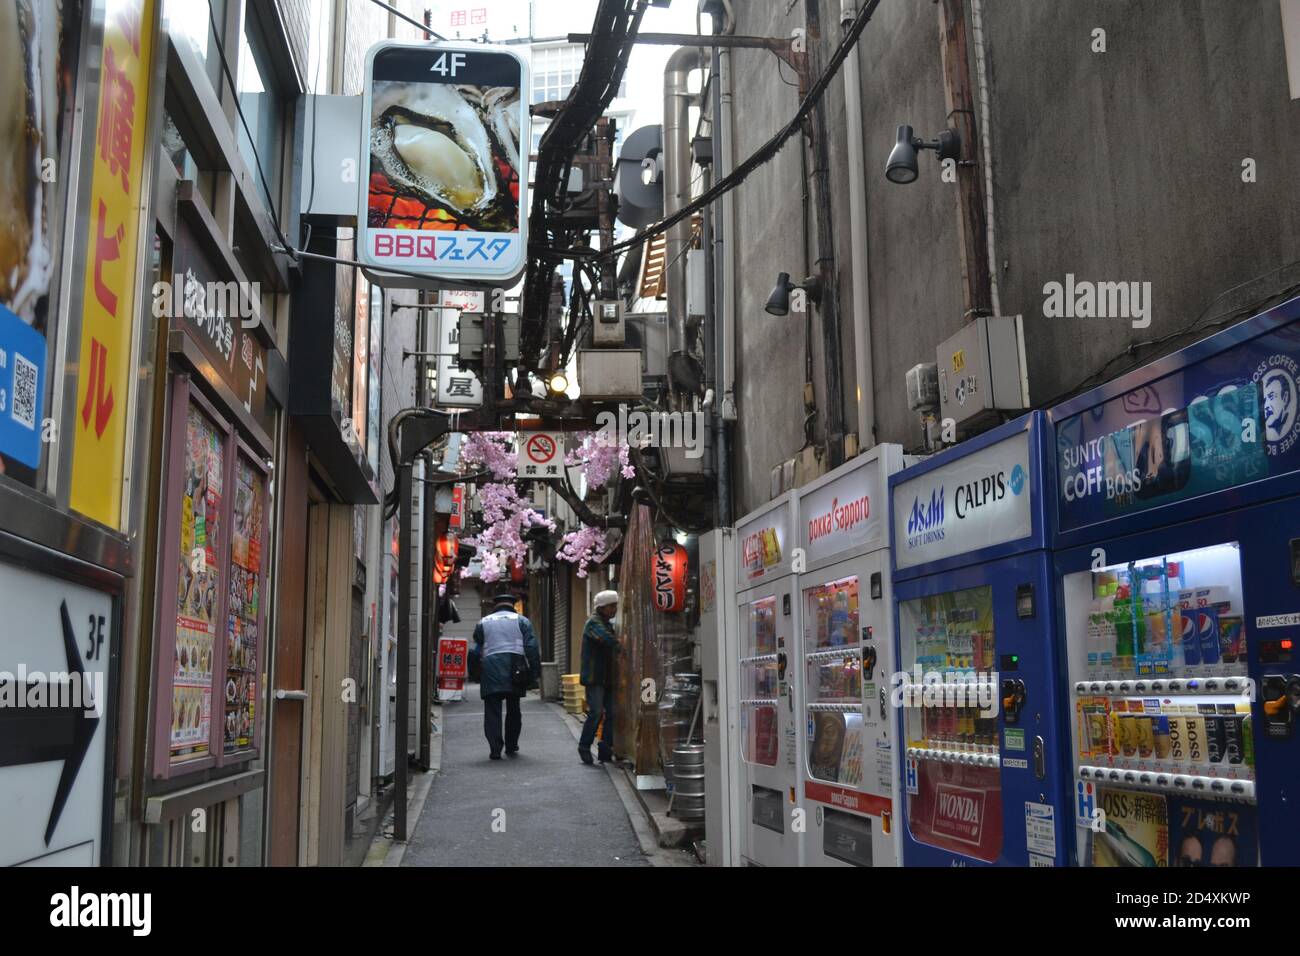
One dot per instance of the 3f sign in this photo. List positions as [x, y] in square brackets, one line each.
[440, 65]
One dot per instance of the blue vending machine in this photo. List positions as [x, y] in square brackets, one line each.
[978, 693]
[1178, 552]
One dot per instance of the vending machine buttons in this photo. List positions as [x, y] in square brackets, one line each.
[1110, 687]
[1212, 686]
[1157, 686]
[1125, 687]
[1175, 686]
[1140, 687]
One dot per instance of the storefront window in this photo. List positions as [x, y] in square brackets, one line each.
[759, 684]
[951, 721]
[833, 668]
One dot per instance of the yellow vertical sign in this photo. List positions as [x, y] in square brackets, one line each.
[109, 303]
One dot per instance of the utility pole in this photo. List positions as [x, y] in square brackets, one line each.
[829, 307]
[977, 296]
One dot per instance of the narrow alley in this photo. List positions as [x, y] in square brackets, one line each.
[542, 808]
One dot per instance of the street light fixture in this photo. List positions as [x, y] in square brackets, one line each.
[778, 303]
[902, 168]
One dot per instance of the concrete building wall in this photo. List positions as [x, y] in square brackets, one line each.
[1116, 166]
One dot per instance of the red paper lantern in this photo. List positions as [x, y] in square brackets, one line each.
[444, 562]
[668, 577]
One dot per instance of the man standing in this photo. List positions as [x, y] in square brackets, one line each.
[510, 663]
[599, 644]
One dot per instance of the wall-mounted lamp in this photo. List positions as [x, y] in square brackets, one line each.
[559, 383]
[901, 167]
[778, 303]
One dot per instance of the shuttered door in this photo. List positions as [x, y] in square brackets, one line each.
[560, 616]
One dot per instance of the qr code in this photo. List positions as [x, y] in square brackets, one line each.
[24, 394]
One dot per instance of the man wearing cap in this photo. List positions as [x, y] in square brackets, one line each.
[510, 662]
[599, 644]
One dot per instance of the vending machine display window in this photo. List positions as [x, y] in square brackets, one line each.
[950, 701]
[759, 684]
[833, 669]
[1162, 710]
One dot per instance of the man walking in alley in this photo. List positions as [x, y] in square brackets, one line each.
[510, 663]
[599, 645]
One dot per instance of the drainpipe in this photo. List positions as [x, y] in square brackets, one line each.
[863, 373]
[724, 229]
[677, 184]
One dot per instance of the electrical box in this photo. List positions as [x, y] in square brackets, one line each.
[982, 373]
[648, 331]
[611, 374]
[695, 290]
[923, 387]
[471, 336]
[607, 323]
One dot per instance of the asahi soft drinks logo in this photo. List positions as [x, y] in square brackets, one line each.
[925, 521]
[1082, 299]
[1277, 377]
[640, 429]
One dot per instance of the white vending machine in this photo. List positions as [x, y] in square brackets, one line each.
[719, 659]
[767, 624]
[846, 659]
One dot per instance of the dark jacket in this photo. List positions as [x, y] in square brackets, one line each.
[598, 645]
[494, 677]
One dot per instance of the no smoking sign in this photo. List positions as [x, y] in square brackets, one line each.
[540, 455]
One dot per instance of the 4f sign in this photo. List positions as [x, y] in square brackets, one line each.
[448, 64]
[445, 135]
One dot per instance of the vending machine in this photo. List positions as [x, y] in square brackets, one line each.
[978, 700]
[846, 658]
[1178, 551]
[767, 623]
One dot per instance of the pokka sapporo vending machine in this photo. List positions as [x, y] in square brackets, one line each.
[767, 626]
[1178, 551]
[846, 657]
[978, 697]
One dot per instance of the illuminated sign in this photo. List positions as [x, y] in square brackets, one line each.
[444, 137]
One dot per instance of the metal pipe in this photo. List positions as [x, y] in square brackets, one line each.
[986, 143]
[829, 307]
[677, 184]
[404, 600]
[725, 129]
[861, 273]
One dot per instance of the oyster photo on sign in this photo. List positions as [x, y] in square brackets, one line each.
[444, 157]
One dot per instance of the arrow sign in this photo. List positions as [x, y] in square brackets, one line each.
[30, 735]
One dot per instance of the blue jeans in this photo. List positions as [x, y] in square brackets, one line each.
[600, 700]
